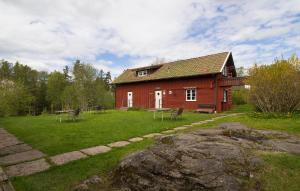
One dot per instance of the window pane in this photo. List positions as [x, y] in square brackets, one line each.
[191, 94]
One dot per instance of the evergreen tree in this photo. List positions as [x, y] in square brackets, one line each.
[66, 71]
[107, 80]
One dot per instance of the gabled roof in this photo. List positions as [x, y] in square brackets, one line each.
[210, 64]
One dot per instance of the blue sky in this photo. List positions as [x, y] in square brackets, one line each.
[117, 34]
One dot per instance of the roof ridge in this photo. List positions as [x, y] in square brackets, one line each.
[179, 60]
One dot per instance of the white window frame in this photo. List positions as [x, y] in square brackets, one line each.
[189, 96]
[225, 96]
[224, 71]
[142, 73]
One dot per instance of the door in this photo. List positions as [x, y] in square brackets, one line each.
[129, 99]
[158, 99]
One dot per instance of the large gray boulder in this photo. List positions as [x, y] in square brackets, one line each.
[219, 159]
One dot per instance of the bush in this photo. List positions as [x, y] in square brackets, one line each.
[240, 96]
[275, 88]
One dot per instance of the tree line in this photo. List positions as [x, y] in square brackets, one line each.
[24, 90]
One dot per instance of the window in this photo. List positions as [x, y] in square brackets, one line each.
[190, 94]
[142, 73]
[225, 96]
[224, 71]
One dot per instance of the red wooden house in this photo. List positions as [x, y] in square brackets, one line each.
[196, 83]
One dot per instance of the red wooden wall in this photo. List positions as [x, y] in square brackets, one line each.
[143, 93]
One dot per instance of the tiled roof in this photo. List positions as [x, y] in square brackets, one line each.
[182, 68]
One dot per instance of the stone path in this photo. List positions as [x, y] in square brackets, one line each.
[27, 168]
[169, 131]
[20, 159]
[136, 139]
[152, 135]
[119, 144]
[96, 150]
[14, 149]
[180, 128]
[67, 157]
[14, 155]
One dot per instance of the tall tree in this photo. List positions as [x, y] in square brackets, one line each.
[56, 86]
[5, 70]
[107, 80]
[41, 94]
[101, 74]
[84, 76]
[66, 71]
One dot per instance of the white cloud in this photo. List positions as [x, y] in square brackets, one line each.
[47, 34]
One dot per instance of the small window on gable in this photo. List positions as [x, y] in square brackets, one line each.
[142, 73]
[224, 71]
[190, 94]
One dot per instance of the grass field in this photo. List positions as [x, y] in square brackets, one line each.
[282, 171]
[52, 137]
[289, 125]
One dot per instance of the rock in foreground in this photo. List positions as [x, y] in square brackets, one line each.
[208, 159]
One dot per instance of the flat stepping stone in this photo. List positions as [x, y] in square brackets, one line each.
[27, 168]
[8, 141]
[67, 157]
[14, 149]
[169, 131]
[21, 157]
[136, 139]
[96, 150]
[152, 135]
[119, 144]
[180, 128]
[188, 126]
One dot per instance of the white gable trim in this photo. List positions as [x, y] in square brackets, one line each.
[227, 57]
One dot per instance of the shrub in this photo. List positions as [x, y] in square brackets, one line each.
[275, 88]
[240, 96]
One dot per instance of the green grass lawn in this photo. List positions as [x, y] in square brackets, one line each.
[282, 171]
[289, 125]
[48, 135]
